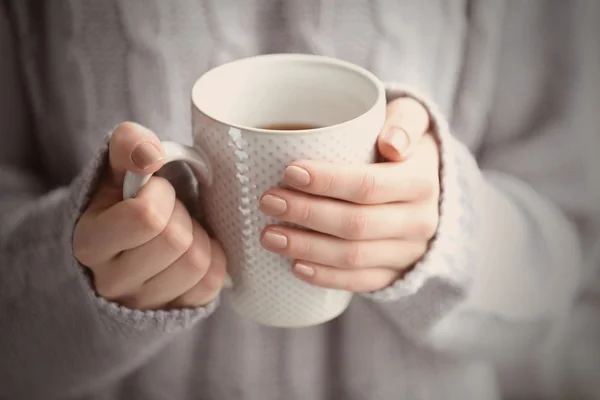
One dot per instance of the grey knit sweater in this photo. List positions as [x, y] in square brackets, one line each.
[509, 88]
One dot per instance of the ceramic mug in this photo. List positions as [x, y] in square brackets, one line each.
[236, 160]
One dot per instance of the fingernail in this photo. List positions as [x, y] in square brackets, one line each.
[296, 176]
[274, 240]
[272, 205]
[146, 154]
[398, 138]
[304, 270]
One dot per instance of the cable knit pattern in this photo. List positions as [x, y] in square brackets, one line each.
[72, 69]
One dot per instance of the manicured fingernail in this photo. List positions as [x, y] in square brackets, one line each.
[304, 270]
[274, 240]
[398, 138]
[146, 154]
[296, 176]
[272, 205]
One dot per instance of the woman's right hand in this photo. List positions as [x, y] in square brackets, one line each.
[146, 252]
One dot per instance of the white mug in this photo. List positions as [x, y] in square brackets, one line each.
[237, 161]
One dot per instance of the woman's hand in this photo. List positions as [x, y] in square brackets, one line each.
[368, 224]
[146, 252]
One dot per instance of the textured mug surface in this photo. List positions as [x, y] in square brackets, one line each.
[229, 103]
[237, 161]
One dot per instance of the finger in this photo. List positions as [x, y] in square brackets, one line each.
[210, 285]
[352, 221]
[328, 250]
[134, 148]
[178, 278]
[126, 273]
[128, 224]
[365, 184]
[351, 280]
[407, 121]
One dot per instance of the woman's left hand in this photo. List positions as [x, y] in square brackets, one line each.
[367, 224]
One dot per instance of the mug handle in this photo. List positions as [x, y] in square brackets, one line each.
[195, 158]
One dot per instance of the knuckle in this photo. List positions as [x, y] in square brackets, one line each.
[80, 253]
[196, 261]
[83, 255]
[420, 249]
[327, 183]
[369, 188]
[193, 273]
[146, 213]
[426, 226]
[109, 289]
[82, 250]
[304, 211]
[178, 237]
[213, 280]
[355, 225]
[355, 255]
[424, 188]
[434, 187]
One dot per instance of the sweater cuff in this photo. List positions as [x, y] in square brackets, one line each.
[442, 278]
[82, 190]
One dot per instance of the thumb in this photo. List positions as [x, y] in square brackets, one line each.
[134, 148]
[406, 123]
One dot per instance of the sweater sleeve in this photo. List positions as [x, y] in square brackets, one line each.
[57, 338]
[503, 271]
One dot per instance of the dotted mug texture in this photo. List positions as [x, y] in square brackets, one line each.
[244, 165]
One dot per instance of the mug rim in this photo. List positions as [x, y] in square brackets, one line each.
[316, 59]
